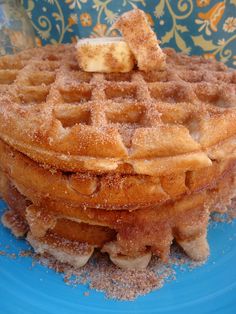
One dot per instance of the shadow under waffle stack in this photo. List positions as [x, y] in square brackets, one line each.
[121, 162]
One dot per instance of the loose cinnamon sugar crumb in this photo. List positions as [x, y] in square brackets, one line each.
[25, 253]
[101, 275]
[232, 210]
[228, 214]
[117, 283]
[10, 255]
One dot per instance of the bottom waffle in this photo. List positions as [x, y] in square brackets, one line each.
[130, 238]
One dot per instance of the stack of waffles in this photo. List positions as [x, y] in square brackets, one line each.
[125, 163]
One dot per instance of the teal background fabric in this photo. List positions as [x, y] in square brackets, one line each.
[203, 27]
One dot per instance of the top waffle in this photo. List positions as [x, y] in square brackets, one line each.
[154, 123]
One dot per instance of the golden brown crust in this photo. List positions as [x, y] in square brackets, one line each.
[142, 40]
[185, 220]
[107, 191]
[160, 144]
[77, 121]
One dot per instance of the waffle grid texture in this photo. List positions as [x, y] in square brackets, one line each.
[78, 121]
[136, 159]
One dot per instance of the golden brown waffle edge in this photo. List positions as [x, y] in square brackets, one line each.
[76, 121]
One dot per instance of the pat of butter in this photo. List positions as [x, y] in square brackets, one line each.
[104, 54]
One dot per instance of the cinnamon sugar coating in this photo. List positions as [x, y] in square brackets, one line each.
[154, 123]
[127, 233]
[142, 40]
[111, 191]
[122, 162]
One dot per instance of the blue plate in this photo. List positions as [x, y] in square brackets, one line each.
[210, 288]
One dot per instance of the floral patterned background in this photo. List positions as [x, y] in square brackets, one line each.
[206, 27]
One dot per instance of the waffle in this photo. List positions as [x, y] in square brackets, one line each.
[104, 191]
[156, 123]
[125, 163]
[128, 237]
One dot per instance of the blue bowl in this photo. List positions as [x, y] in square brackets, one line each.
[210, 288]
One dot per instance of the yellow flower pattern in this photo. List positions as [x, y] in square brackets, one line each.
[72, 20]
[209, 56]
[203, 3]
[192, 26]
[230, 25]
[101, 30]
[213, 16]
[85, 19]
[75, 3]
